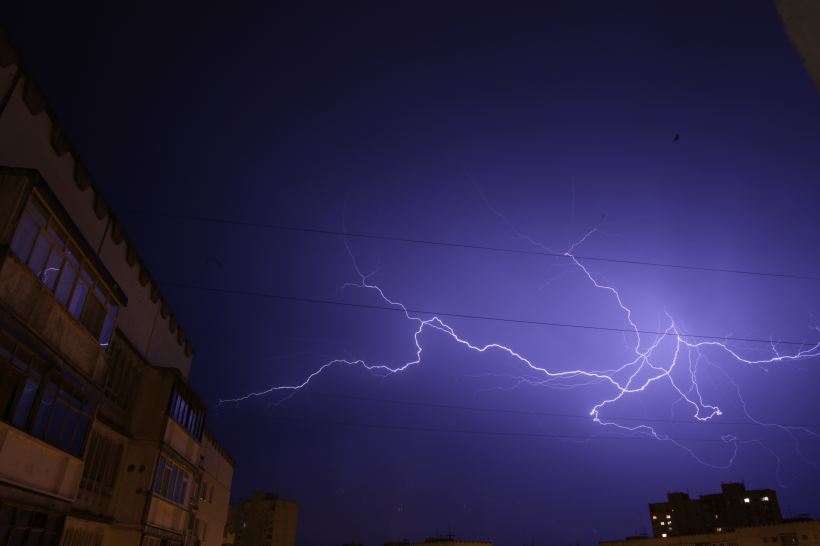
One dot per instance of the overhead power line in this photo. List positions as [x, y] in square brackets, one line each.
[476, 317]
[518, 412]
[499, 433]
[472, 247]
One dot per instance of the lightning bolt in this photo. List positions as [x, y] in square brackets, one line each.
[636, 375]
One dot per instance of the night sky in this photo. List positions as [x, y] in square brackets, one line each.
[536, 127]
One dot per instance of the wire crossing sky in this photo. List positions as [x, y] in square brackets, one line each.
[639, 374]
[640, 174]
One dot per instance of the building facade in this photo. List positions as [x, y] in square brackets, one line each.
[732, 508]
[264, 520]
[102, 439]
[795, 531]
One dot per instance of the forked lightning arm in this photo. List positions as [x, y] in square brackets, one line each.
[685, 350]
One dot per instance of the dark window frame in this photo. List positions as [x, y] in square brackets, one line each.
[24, 520]
[32, 371]
[175, 482]
[74, 265]
[187, 410]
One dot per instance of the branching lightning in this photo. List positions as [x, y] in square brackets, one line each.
[644, 370]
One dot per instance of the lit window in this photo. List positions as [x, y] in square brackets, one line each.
[171, 482]
[718, 529]
[663, 523]
[187, 411]
[745, 500]
[664, 535]
[764, 498]
[716, 516]
[654, 517]
[49, 251]
[668, 517]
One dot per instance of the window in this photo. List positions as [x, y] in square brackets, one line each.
[101, 464]
[764, 499]
[171, 482]
[718, 529]
[805, 537]
[745, 500]
[20, 525]
[663, 523]
[654, 517]
[54, 256]
[155, 541]
[668, 517]
[35, 397]
[204, 490]
[716, 516]
[20, 382]
[82, 537]
[664, 535]
[789, 539]
[774, 539]
[187, 411]
[211, 498]
[63, 414]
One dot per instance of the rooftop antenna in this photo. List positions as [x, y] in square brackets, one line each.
[449, 535]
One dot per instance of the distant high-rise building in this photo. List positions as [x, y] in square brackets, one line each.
[264, 520]
[719, 513]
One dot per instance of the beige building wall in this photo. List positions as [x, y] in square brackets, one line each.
[29, 132]
[125, 474]
[802, 21]
[215, 492]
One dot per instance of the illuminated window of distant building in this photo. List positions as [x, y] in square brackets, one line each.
[745, 500]
[716, 516]
[718, 529]
[663, 523]
[764, 498]
[664, 535]
[654, 517]
[54, 255]
[171, 482]
[668, 517]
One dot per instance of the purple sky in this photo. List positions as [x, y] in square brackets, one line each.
[469, 123]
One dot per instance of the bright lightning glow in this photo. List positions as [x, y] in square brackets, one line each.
[634, 376]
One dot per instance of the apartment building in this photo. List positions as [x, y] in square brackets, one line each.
[733, 507]
[794, 531]
[102, 439]
[262, 520]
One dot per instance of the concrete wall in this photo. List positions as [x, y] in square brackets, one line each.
[28, 141]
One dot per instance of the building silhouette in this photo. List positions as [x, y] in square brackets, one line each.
[719, 513]
[794, 531]
[102, 439]
[264, 520]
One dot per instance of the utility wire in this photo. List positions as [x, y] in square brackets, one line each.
[519, 412]
[473, 247]
[490, 433]
[477, 317]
